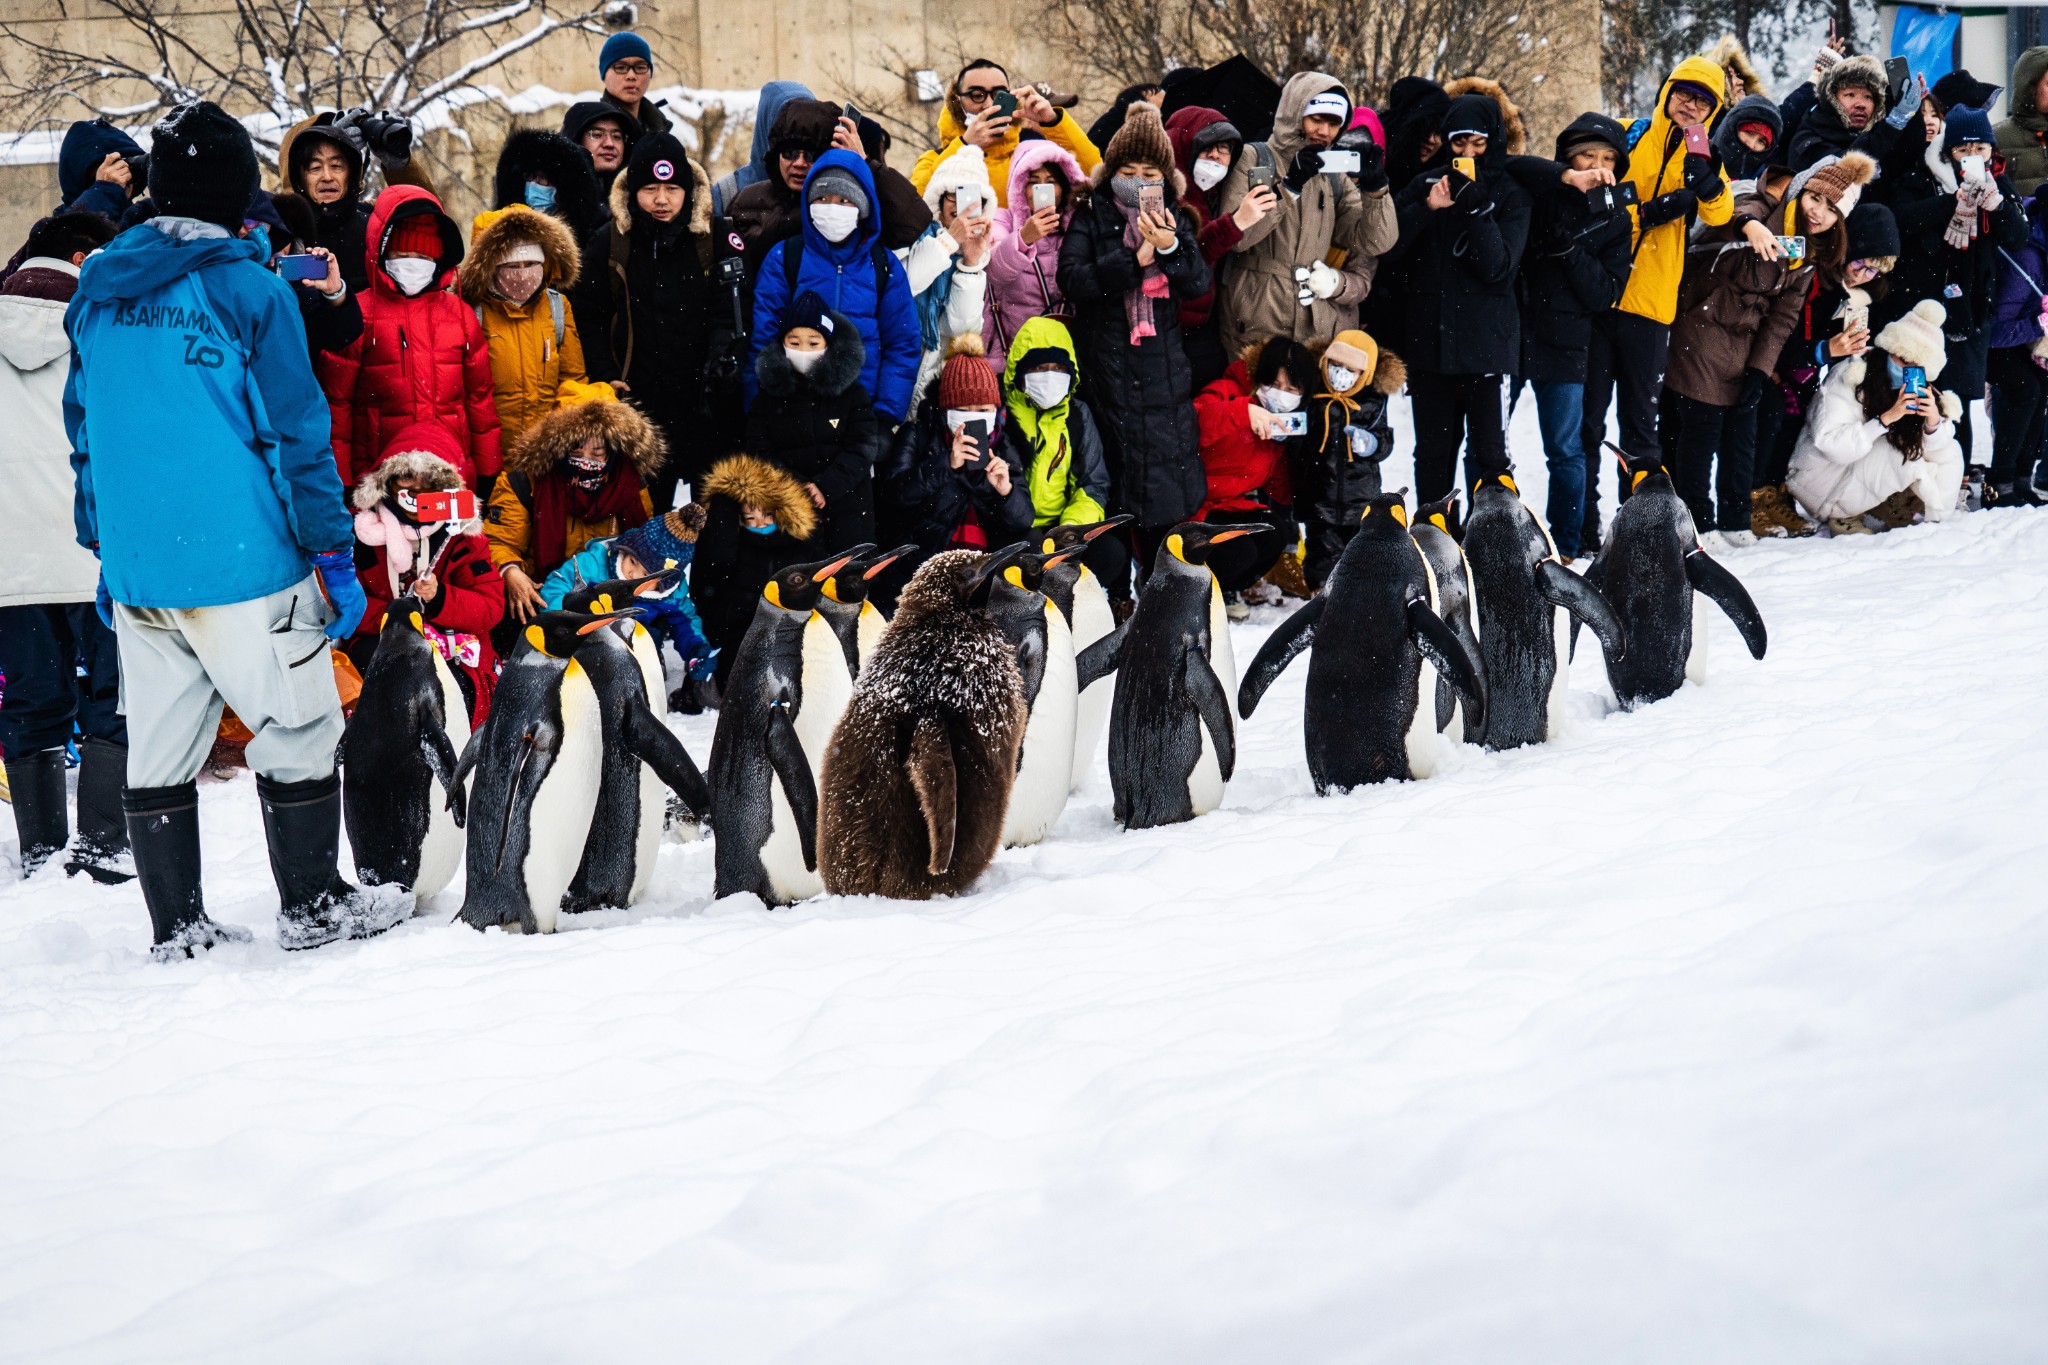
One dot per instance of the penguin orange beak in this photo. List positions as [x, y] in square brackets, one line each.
[868, 574]
[1064, 555]
[1102, 526]
[1222, 536]
[834, 567]
[594, 622]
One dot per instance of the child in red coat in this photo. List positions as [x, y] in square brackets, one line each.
[1244, 457]
[447, 565]
[422, 356]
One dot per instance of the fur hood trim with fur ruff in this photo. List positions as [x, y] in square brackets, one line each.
[625, 431]
[1728, 54]
[700, 202]
[491, 236]
[424, 467]
[845, 354]
[1510, 117]
[753, 482]
[1862, 69]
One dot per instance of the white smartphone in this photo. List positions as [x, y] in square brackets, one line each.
[1973, 168]
[967, 201]
[1290, 424]
[1340, 163]
[1044, 197]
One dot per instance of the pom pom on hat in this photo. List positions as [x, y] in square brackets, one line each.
[1916, 338]
[967, 380]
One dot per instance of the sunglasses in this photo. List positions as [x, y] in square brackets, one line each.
[798, 151]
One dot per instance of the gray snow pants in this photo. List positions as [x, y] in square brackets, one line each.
[266, 657]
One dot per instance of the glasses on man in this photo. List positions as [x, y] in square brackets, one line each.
[797, 151]
[630, 67]
[980, 94]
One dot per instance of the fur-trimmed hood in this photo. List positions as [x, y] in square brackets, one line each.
[1728, 54]
[697, 211]
[1385, 373]
[1512, 129]
[1862, 69]
[579, 198]
[753, 482]
[624, 430]
[492, 235]
[845, 356]
[425, 452]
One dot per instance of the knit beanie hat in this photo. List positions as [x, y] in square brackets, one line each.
[1329, 104]
[202, 165]
[1840, 180]
[1963, 124]
[658, 159]
[840, 181]
[1916, 339]
[1142, 139]
[619, 47]
[1873, 234]
[810, 311]
[664, 542]
[416, 234]
[967, 380]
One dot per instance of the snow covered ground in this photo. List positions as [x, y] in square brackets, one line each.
[1707, 1033]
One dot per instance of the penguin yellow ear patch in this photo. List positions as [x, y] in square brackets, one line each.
[602, 605]
[773, 592]
[1173, 547]
[1047, 547]
[418, 624]
[1366, 513]
[1507, 481]
[1637, 478]
[1398, 513]
[1014, 576]
[538, 638]
[1436, 519]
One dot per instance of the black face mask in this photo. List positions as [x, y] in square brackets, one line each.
[587, 479]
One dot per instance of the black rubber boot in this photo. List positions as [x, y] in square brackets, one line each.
[163, 833]
[36, 782]
[101, 852]
[316, 904]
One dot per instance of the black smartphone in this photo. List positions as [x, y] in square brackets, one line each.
[1898, 73]
[852, 113]
[1261, 176]
[301, 269]
[1003, 103]
[977, 429]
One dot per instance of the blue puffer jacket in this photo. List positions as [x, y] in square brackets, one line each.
[86, 145]
[673, 615]
[844, 276]
[198, 435]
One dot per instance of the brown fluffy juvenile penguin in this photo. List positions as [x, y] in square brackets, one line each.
[917, 778]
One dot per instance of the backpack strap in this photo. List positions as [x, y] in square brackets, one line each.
[561, 321]
[883, 259]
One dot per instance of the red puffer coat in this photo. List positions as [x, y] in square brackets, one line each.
[1237, 463]
[421, 359]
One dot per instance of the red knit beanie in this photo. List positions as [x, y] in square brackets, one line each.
[967, 380]
[416, 234]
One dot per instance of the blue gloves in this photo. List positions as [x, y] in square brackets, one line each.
[103, 603]
[343, 590]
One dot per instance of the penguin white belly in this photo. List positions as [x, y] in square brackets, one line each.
[1560, 680]
[441, 850]
[1696, 655]
[1040, 792]
[1420, 741]
[867, 632]
[1205, 783]
[647, 653]
[827, 687]
[558, 820]
[1092, 620]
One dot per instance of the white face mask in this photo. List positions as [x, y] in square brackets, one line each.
[1209, 174]
[1341, 379]
[1047, 388]
[412, 273]
[803, 362]
[957, 418]
[835, 222]
[1278, 400]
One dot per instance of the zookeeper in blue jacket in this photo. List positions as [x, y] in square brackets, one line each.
[206, 485]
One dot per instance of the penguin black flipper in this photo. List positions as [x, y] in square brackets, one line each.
[441, 760]
[1598, 580]
[793, 770]
[1205, 689]
[654, 744]
[1585, 602]
[1103, 657]
[1452, 657]
[1714, 582]
[937, 781]
[465, 765]
[1288, 639]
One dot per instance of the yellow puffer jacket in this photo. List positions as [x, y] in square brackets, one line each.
[528, 368]
[1656, 167]
[1066, 133]
[508, 522]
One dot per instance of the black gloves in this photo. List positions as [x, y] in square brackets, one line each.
[1372, 168]
[1702, 176]
[1667, 208]
[1308, 164]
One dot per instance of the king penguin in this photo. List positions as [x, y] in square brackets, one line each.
[405, 733]
[539, 761]
[1172, 740]
[919, 774]
[789, 683]
[1377, 647]
[846, 607]
[642, 756]
[1435, 533]
[1044, 643]
[1081, 597]
[1524, 641]
[1650, 571]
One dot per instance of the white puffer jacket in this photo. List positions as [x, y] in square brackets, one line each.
[42, 560]
[1846, 464]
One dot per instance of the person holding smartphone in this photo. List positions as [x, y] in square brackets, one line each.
[1873, 447]
[1205, 146]
[1854, 109]
[984, 109]
[1024, 266]
[1252, 420]
[1305, 264]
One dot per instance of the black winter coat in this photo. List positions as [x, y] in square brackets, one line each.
[329, 326]
[821, 428]
[1823, 134]
[670, 295]
[1458, 269]
[1965, 282]
[1575, 266]
[341, 227]
[1142, 395]
[925, 500]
